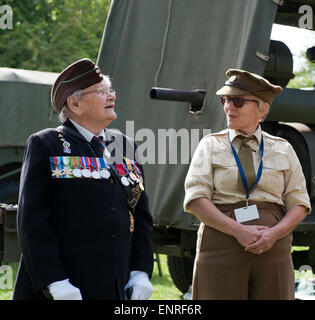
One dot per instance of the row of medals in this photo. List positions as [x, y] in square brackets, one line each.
[104, 173]
[132, 178]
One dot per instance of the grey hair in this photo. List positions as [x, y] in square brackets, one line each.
[64, 113]
[260, 106]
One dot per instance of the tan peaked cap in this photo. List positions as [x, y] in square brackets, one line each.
[242, 82]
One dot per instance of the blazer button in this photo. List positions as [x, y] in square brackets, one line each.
[111, 180]
[113, 209]
[113, 236]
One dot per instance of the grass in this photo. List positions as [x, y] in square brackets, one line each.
[6, 294]
[164, 289]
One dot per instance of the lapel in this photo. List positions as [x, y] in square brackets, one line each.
[78, 144]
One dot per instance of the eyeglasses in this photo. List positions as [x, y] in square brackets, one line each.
[102, 92]
[238, 102]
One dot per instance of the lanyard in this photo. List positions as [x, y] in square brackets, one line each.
[261, 149]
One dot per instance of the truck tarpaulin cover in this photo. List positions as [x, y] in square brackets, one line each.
[25, 104]
[179, 44]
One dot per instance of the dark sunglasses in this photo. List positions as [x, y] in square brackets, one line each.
[238, 102]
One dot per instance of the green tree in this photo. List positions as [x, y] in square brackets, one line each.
[48, 35]
[305, 76]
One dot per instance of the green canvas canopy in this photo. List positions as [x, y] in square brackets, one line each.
[179, 44]
[25, 104]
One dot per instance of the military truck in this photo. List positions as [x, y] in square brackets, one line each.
[185, 45]
[25, 108]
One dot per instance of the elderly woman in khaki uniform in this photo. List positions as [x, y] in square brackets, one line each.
[248, 190]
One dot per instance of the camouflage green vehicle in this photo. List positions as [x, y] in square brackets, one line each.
[188, 45]
[25, 108]
[185, 46]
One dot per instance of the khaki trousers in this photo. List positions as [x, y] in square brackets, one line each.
[224, 270]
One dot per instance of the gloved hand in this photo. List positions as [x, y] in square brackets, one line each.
[141, 286]
[64, 290]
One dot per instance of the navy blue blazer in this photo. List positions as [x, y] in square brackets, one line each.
[77, 228]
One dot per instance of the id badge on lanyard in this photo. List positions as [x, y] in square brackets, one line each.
[248, 213]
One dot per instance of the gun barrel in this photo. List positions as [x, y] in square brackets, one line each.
[195, 97]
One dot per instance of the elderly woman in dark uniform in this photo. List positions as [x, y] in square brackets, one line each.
[84, 226]
[248, 190]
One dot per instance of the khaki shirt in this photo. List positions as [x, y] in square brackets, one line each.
[213, 172]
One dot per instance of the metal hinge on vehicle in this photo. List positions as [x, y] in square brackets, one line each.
[262, 56]
[278, 2]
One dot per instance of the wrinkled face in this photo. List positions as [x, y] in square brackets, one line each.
[246, 117]
[95, 107]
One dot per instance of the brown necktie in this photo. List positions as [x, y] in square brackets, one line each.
[246, 159]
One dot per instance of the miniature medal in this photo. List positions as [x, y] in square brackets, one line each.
[67, 171]
[86, 173]
[96, 175]
[133, 176]
[124, 181]
[77, 173]
[56, 173]
[141, 186]
[105, 173]
[66, 166]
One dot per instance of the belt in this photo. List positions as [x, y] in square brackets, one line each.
[260, 205]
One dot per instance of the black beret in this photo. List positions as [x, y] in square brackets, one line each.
[79, 75]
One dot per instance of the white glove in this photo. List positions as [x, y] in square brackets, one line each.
[64, 290]
[141, 285]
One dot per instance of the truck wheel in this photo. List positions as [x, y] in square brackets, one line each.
[181, 270]
[9, 192]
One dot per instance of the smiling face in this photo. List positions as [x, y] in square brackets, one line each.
[246, 118]
[94, 109]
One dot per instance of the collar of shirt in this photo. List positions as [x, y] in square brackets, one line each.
[235, 133]
[86, 133]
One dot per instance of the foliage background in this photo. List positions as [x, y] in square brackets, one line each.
[305, 76]
[48, 35]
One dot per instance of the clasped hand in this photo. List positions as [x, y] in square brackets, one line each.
[256, 239]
